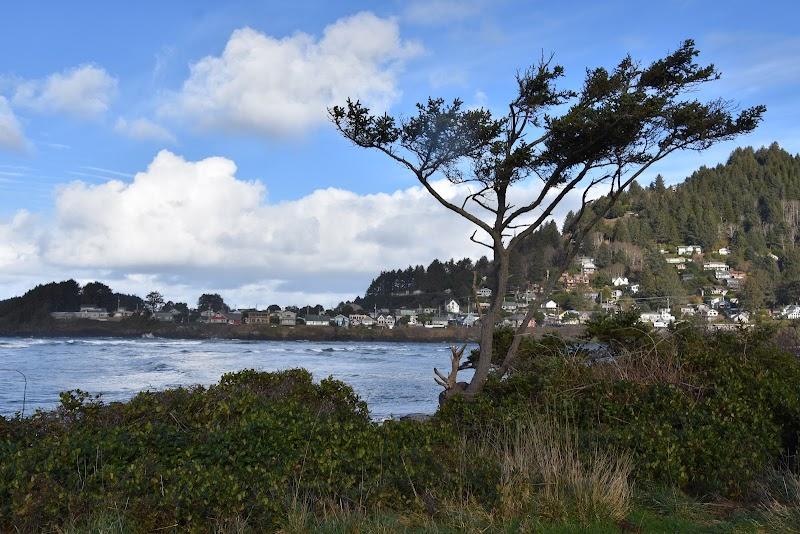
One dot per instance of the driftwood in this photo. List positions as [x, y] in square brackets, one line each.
[449, 383]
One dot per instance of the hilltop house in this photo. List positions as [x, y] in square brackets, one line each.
[791, 312]
[166, 316]
[659, 319]
[619, 281]
[689, 250]
[360, 319]
[587, 265]
[715, 266]
[484, 292]
[452, 306]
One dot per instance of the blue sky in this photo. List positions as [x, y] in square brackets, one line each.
[139, 67]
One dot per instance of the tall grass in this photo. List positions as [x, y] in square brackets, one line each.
[544, 471]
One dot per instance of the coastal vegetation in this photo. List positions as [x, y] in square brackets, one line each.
[686, 431]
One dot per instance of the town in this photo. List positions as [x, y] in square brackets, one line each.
[582, 293]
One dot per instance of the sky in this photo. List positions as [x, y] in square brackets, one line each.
[184, 146]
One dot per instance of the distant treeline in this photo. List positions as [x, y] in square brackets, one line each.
[37, 304]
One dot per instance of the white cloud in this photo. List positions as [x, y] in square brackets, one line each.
[11, 136]
[143, 129]
[186, 227]
[85, 91]
[283, 86]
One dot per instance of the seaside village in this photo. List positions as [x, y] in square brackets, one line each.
[576, 299]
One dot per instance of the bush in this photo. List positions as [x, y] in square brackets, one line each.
[709, 415]
[243, 447]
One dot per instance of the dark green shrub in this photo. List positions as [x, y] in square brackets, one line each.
[734, 410]
[244, 447]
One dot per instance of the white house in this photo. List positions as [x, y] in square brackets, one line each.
[715, 266]
[470, 319]
[689, 250]
[634, 288]
[385, 321]
[675, 260]
[791, 312]
[659, 319]
[710, 314]
[437, 322]
[485, 292]
[724, 251]
[317, 320]
[550, 305]
[741, 318]
[341, 321]
[619, 281]
[510, 306]
[587, 265]
[452, 306]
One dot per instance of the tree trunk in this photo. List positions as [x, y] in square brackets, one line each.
[487, 322]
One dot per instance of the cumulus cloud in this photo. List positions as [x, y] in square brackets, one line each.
[85, 91]
[11, 136]
[143, 129]
[186, 227]
[283, 86]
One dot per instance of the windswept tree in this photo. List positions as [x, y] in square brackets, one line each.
[585, 143]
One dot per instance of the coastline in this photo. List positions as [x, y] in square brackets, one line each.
[139, 328]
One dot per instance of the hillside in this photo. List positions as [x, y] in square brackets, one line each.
[750, 205]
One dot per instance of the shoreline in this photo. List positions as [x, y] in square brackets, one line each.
[138, 329]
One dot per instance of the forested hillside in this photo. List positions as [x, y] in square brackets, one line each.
[750, 205]
[36, 304]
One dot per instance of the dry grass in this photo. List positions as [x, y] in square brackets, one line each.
[654, 363]
[780, 501]
[544, 472]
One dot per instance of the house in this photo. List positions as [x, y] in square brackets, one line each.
[385, 321]
[710, 314]
[587, 265]
[741, 318]
[437, 322]
[689, 250]
[688, 310]
[360, 319]
[634, 288]
[470, 319]
[286, 317]
[452, 306]
[550, 305]
[484, 292]
[413, 321]
[659, 319]
[123, 313]
[724, 251]
[616, 294]
[722, 275]
[619, 281]
[215, 317]
[791, 312]
[516, 320]
[675, 260]
[715, 266]
[166, 316]
[91, 313]
[317, 320]
[510, 306]
[571, 281]
[341, 321]
[258, 317]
